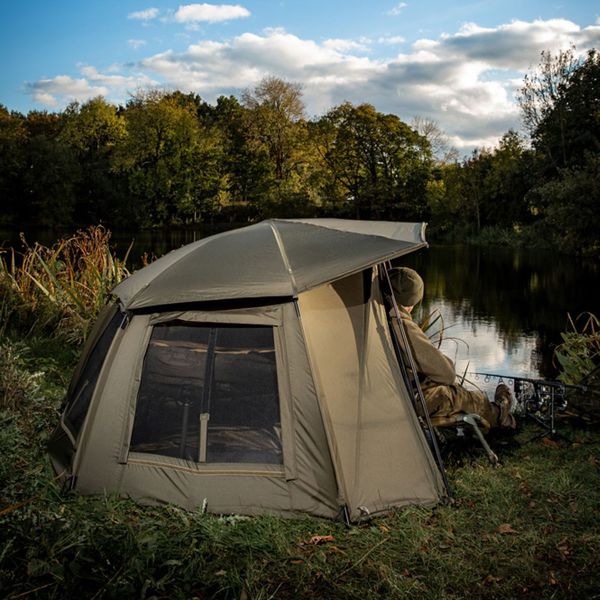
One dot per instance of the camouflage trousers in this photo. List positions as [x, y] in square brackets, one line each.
[449, 400]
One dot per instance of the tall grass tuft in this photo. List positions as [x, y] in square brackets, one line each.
[58, 289]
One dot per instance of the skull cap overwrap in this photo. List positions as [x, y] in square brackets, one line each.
[407, 285]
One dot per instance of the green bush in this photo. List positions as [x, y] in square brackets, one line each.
[579, 353]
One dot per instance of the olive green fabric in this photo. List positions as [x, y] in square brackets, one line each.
[380, 452]
[349, 436]
[305, 483]
[271, 259]
[432, 364]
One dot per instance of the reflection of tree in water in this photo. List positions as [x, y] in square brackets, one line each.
[524, 292]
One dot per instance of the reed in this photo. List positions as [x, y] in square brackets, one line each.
[59, 289]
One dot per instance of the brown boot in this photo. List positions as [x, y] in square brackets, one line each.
[503, 399]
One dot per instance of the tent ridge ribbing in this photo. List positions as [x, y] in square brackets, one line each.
[284, 256]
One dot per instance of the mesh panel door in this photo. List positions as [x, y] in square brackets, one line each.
[209, 394]
[244, 423]
[168, 406]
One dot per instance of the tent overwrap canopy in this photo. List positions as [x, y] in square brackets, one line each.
[274, 258]
[253, 372]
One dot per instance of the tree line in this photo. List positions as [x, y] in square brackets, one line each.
[169, 158]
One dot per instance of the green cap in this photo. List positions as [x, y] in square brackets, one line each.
[407, 285]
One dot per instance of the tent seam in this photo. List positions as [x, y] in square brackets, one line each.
[284, 256]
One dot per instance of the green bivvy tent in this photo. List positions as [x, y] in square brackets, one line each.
[252, 372]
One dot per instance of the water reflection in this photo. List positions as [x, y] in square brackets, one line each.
[480, 345]
[507, 306]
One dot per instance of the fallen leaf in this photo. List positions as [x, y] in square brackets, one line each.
[506, 529]
[550, 443]
[552, 578]
[221, 573]
[319, 539]
[564, 549]
[13, 507]
[490, 579]
[525, 489]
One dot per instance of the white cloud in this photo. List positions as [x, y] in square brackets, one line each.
[396, 10]
[44, 98]
[50, 92]
[117, 83]
[62, 89]
[144, 15]
[340, 45]
[214, 68]
[136, 44]
[211, 13]
[515, 45]
[464, 81]
[391, 40]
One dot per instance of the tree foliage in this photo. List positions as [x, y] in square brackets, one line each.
[560, 104]
[169, 158]
[381, 165]
[566, 136]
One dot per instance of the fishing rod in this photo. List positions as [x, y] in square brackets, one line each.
[515, 378]
[535, 398]
[409, 372]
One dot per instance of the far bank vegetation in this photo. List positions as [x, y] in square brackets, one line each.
[171, 159]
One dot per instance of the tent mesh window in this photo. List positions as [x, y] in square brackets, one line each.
[79, 402]
[209, 394]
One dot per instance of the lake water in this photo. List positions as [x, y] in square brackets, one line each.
[502, 309]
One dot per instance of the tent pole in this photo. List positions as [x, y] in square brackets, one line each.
[415, 380]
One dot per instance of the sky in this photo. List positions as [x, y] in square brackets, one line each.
[459, 64]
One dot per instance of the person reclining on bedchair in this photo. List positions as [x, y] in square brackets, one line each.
[444, 396]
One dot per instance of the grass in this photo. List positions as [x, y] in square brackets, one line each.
[528, 529]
